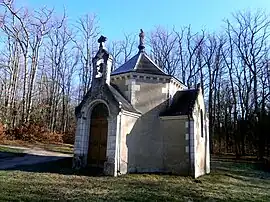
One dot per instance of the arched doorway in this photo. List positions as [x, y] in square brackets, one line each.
[98, 135]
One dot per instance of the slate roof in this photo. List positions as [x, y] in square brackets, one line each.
[182, 103]
[139, 63]
[113, 92]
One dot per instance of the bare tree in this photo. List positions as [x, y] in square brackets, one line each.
[164, 49]
[40, 26]
[122, 50]
[250, 36]
[14, 25]
[88, 32]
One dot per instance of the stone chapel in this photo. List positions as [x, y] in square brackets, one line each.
[138, 119]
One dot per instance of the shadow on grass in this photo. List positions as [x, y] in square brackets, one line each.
[43, 164]
[227, 182]
[7, 155]
[250, 174]
[251, 169]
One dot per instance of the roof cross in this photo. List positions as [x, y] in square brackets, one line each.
[101, 41]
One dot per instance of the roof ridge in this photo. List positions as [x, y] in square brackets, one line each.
[138, 59]
[133, 65]
[153, 63]
[124, 67]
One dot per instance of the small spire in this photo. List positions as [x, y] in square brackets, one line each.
[141, 44]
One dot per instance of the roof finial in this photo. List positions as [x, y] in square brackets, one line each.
[141, 44]
[101, 41]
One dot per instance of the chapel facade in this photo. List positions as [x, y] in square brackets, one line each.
[139, 119]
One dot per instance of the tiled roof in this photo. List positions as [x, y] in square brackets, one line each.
[139, 63]
[182, 103]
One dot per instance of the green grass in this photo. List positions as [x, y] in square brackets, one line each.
[62, 148]
[228, 181]
[10, 150]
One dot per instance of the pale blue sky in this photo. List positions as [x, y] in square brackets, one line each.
[118, 16]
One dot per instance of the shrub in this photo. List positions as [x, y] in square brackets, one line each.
[69, 137]
[33, 133]
[2, 132]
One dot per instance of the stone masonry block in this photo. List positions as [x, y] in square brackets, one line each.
[187, 136]
[110, 153]
[187, 149]
[136, 87]
[130, 81]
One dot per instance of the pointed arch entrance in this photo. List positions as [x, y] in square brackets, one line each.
[98, 135]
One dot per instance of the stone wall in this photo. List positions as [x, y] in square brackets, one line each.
[176, 140]
[145, 141]
[110, 166]
[80, 145]
[150, 94]
[156, 145]
[201, 139]
[144, 147]
[83, 133]
[140, 89]
[123, 87]
[127, 122]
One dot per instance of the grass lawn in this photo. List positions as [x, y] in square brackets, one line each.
[10, 150]
[228, 181]
[6, 152]
[62, 148]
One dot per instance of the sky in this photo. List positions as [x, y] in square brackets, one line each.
[116, 17]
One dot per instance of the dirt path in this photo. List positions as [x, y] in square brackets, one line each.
[32, 156]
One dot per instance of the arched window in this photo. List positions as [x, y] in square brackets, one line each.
[201, 123]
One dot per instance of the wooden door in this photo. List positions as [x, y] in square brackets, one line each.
[98, 138]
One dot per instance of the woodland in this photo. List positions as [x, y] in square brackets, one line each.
[46, 69]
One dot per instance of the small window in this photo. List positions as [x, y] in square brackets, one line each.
[201, 123]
